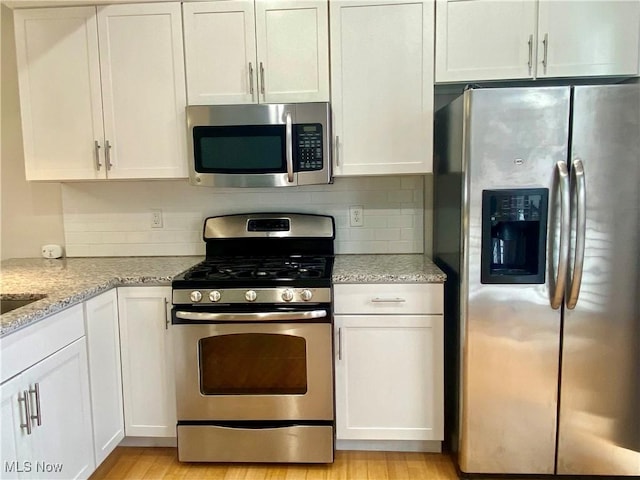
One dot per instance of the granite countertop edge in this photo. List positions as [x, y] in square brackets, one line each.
[20, 278]
[386, 268]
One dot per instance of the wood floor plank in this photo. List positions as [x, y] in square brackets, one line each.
[135, 463]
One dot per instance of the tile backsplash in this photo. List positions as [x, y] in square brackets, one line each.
[113, 218]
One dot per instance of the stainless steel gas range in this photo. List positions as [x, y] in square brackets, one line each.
[253, 342]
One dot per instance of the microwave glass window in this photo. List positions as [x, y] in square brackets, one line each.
[253, 364]
[246, 149]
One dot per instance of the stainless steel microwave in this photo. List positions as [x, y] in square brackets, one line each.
[274, 145]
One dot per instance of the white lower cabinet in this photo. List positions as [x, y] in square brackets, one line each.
[103, 346]
[46, 418]
[147, 361]
[389, 362]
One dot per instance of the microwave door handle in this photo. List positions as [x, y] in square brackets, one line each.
[289, 146]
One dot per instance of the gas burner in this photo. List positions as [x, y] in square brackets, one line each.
[261, 268]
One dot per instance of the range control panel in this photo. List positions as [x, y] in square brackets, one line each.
[309, 147]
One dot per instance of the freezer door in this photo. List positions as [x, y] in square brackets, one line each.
[510, 336]
[599, 423]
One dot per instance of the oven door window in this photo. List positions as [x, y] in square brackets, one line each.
[253, 364]
[240, 149]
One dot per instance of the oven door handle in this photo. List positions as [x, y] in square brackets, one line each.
[250, 317]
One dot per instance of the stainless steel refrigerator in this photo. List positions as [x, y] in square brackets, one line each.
[537, 224]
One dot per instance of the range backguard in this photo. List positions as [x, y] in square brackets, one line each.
[514, 228]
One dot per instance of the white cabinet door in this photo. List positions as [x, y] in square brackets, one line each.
[220, 52]
[14, 443]
[144, 98]
[103, 345]
[494, 40]
[485, 40]
[293, 50]
[62, 441]
[102, 94]
[389, 377]
[241, 51]
[60, 99]
[588, 38]
[382, 86]
[147, 361]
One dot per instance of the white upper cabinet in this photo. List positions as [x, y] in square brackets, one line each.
[267, 51]
[588, 38]
[526, 39]
[485, 39]
[102, 92]
[220, 52]
[382, 86]
[143, 90]
[60, 92]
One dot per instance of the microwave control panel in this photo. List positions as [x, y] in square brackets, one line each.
[308, 147]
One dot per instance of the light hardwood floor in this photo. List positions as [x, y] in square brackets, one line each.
[128, 463]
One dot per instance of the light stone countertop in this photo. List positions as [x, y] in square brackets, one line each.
[69, 281]
[386, 268]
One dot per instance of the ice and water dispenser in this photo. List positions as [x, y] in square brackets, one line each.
[514, 229]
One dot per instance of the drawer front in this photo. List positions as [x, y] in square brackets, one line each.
[389, 298]
[26, 347]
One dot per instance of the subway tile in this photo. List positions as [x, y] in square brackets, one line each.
[113, 218]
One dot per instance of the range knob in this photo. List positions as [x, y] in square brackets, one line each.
[214, 296]
[251, 295]
[306, 294]
[195, 296]
[287, 295]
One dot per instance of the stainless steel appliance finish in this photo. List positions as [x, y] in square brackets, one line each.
[253, 342]
[300, 444]
[543, 378]
[253, 170]
[297, 226]
[315, 404]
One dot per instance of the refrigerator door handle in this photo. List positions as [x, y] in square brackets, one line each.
[579, 181]
[565, 234]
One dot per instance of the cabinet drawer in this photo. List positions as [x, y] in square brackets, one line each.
[404, 298]
[28, 346]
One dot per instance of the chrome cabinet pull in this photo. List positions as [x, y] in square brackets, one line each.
[262, 79]
[388, 300]
[289, 141]
[545, 44]
[36, 391]
[166, 315]
[565, 234]
[579, 181]
[340, 343]
[27, 411]
[107, 154]
[97, 149]
[530, 63]
[251, 79]
[337, 151]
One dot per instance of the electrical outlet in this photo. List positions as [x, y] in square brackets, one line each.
[156, 218]
[356, 216]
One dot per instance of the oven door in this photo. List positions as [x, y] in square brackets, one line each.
[253, 371]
